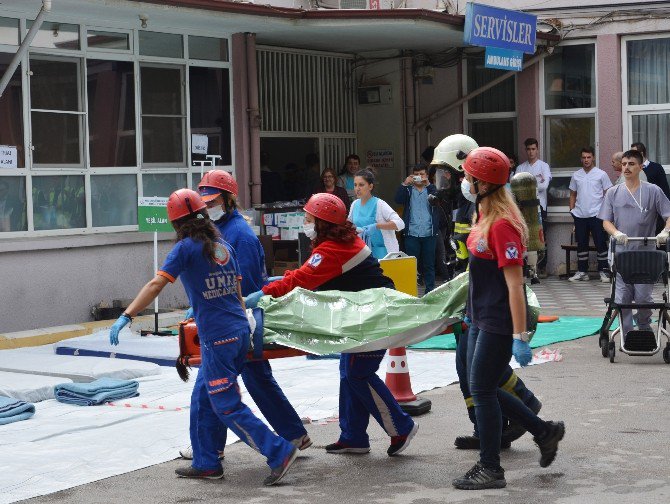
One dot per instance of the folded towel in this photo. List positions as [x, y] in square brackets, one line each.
[96, 392]
[13, 410]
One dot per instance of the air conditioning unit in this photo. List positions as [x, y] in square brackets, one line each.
[358, 4]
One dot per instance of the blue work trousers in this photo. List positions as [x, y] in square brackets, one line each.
[270, 399]
[217, 399]
[424, 250]
[363, 393]
[509, 382]
[488, 357]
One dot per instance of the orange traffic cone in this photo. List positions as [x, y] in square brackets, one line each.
[398, 382]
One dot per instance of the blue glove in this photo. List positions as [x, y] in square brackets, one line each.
[120, 323]
[251, 301]
[522, 352]
[274, 278]
[366, 235]
[189, 313]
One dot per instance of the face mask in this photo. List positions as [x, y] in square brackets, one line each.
[309, 230]
[216, 213]
[465, 189]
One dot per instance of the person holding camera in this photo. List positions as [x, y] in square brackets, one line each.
[421, 222]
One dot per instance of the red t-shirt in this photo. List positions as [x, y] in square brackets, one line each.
[488, 298]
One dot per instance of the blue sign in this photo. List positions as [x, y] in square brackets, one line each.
[504, 59]
[492, 27]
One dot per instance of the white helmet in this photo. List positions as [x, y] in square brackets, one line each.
[452, 151]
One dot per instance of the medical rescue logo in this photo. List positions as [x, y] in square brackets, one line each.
[221, 254]
[315, 260]
[481, 245]
[511, 251]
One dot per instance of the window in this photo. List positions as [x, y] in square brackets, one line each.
[568, 104]
[56, 112]
[207, 48]
[210, 110]
[111, 113]
[56, 36]
[162, 184]
[491, 116]
[114, 200]
[648, 95]
[162, 115]
[59, 202]
[96, 39]
[9, 31]
[167, 45]
[13, 204]
[11, 111]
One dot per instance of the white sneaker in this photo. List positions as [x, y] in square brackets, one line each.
[302, 442]
[604, 277]
[580, 276]
[187, 453]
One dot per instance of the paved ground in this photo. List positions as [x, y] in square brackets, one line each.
[616, 450]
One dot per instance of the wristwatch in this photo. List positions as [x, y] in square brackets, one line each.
[523, 336]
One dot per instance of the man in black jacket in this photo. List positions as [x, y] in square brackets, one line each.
[654, 171]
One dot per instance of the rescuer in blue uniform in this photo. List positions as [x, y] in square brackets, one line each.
[211, 277]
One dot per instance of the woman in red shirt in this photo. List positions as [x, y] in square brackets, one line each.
[497, 307]
[340, 260]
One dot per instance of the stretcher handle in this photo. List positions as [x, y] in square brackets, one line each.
[646, 239]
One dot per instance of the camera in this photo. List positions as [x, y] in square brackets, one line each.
[416, 178]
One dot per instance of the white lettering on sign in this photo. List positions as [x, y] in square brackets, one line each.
[504, 61]
[8, 156]
[199, 144]
[504, 29]
[379, 158]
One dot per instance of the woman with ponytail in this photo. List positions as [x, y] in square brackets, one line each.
[210, 274]
[497, 308]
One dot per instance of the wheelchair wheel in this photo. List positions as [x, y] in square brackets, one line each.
[666, 353]
[604, 344]
[611, 352]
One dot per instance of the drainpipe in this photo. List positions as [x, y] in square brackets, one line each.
[440, 112]
[408, 98]
[25, 45]
[254, 120]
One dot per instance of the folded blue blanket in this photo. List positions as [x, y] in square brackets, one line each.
[13, 410]
[96, 392]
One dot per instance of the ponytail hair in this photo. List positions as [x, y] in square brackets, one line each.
[198, 227]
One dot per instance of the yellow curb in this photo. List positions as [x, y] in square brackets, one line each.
[50, 335]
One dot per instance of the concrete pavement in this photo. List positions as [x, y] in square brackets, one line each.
[616, 450]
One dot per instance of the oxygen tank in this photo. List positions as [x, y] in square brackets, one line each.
[524, 189]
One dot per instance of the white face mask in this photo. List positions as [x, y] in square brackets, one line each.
[215, 213]
[308, 229]
[465, 189]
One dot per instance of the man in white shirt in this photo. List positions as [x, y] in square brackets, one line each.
[542, 173]
[587, 192]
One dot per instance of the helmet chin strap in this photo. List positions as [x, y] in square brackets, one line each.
[480, 197]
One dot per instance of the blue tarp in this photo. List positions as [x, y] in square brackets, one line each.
[13, 410]
[96, 392]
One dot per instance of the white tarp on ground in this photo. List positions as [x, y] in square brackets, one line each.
[61, 446]
[29, 388]
[36, 361]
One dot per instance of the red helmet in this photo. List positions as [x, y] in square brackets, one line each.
[327, 207]
[184, 202]
[215, 181]
[488, 165]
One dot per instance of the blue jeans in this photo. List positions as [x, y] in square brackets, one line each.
[424, 250]
[363, 393]
[218, 401]
[509, 382]
[488, 357]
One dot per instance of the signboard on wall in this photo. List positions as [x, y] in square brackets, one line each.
[505, 29]
[8, 157]
[503, 59]
[199, 144]
[379, 158]
[152, 215]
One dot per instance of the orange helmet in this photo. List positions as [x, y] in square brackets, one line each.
[488, 165]
[327, 207]
[184, 202]
[215, 181]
